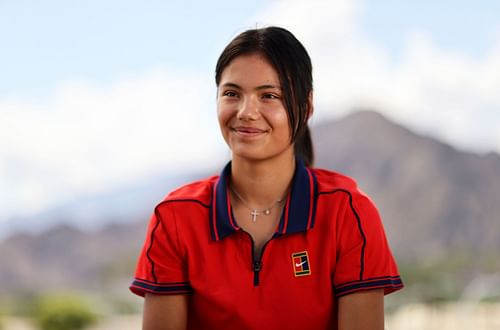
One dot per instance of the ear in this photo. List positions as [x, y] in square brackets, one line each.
[310, 105]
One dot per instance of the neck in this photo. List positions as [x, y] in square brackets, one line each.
[262, 182]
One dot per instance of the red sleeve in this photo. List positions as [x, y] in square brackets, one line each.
[161, 268]
[364, 260]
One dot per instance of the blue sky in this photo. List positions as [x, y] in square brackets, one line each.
[46, 42]
[458, 25]
[95, 94]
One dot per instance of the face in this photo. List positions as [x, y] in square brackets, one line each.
[251, 113]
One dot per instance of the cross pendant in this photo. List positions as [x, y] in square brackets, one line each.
[254, 215]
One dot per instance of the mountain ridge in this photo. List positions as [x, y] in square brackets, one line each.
[436, 203]
[406, 173]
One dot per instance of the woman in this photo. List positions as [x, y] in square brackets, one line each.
[270, 243]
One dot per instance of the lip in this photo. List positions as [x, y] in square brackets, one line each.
[248, 131]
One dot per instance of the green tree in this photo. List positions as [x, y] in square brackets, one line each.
[63, 312]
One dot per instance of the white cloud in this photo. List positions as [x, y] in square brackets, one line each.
[87, 138]
[446, 94]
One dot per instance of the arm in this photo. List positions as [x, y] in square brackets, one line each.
[165, 312]
[363, 310]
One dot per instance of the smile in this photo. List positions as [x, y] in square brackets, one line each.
[248, 131]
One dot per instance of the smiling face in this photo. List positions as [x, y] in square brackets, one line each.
[251, 113]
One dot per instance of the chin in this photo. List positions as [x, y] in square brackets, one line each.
[257, 154]
[249, 156]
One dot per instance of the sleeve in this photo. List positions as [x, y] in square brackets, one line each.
[161, 268]
[363, 257]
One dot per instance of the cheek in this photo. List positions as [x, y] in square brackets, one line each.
[224, 114]
[221, 113]
[280, 123]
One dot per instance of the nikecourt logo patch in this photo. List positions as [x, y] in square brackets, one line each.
[300, 263]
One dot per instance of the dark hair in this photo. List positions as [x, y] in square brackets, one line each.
[292, 63]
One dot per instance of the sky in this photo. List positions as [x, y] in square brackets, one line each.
[96, 95]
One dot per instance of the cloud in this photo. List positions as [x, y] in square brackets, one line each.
[433, 90]
[88, 138]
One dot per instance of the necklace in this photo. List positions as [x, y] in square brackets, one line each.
[254, 212]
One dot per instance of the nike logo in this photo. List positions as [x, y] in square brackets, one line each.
[298, 265]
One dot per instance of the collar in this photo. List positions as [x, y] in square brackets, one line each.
[298, 214]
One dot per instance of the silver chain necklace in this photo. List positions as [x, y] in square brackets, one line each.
[254, 212]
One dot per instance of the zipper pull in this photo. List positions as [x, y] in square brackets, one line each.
[256, 267]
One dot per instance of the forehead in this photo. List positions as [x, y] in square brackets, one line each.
[251, 69]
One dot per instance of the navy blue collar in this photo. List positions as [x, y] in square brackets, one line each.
[298, 214]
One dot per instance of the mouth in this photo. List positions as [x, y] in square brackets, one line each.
[248, 131]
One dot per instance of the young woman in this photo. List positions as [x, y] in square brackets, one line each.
[271, 243]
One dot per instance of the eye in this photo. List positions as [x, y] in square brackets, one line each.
[229, 94]
[271, 96]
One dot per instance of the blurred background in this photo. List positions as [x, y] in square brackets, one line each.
[107, 105]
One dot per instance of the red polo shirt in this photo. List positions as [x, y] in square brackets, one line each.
[329, 242]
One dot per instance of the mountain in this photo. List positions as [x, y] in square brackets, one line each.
[68, 258]
[121, 205]
[439, 205]
[432, 197]
[89, 244]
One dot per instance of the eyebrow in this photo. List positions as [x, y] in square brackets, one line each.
[233, 85]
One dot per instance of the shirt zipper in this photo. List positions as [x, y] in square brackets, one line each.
[256, 263]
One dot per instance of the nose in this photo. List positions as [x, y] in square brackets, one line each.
[248, 109]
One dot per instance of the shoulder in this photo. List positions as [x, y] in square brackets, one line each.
[329, 180]
[332, 184]
[336, 190]
[198, 192]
